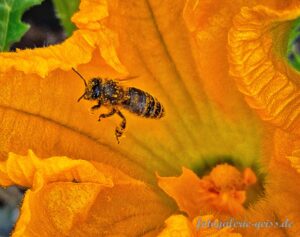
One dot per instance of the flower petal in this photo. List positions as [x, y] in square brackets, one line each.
[177, 225]
[83, 210]
[188, 200]
[56, 209]
[30, 171]
[265, 80]
[78, 197]
[76, 50]
[280, 204]
[40, 174]
[295, 160]
[208, 23]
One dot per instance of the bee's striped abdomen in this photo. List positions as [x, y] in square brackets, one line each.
[143, 104]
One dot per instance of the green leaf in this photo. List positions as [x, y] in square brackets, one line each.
[293, 48]
[11, 26]
[65, 10]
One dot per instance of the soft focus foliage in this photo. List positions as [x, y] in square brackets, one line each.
[65, 9]
[293, 47]
[11, 27]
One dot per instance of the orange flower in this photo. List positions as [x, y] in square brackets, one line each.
[190, 55]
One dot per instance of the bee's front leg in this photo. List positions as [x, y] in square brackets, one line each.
[120, 130]
[97, 106]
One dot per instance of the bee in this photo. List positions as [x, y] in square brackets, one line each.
[109, 93]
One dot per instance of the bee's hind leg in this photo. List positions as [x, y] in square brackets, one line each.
[110, 113]
[120, 129]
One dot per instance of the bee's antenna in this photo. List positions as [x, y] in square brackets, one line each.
[81, 97]
[81, 78]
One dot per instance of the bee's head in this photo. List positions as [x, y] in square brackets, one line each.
[93, 89]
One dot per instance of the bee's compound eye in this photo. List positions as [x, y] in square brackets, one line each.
[96, 91]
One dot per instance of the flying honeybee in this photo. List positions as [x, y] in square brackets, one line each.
[110, 93]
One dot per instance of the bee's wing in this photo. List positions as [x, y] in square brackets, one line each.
[128, 78]
[120, 80]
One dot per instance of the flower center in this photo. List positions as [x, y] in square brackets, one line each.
[226, 177]
[223, 190]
